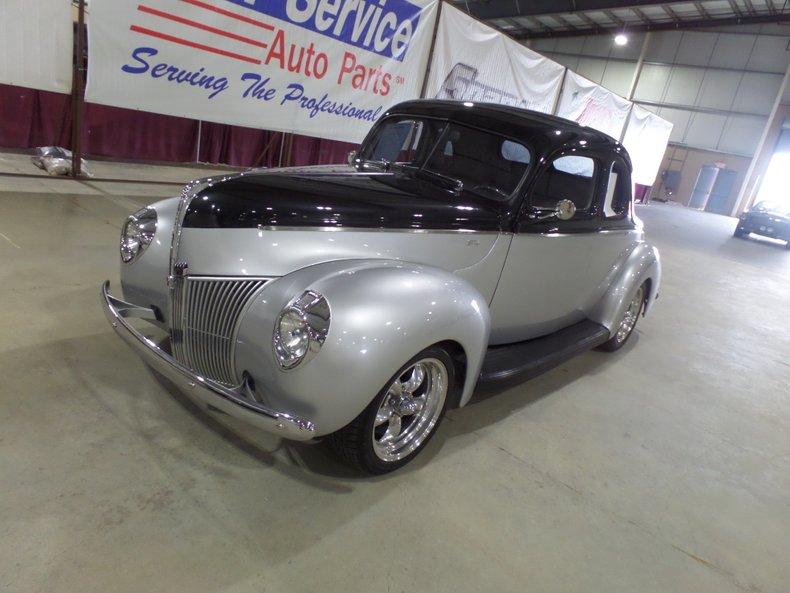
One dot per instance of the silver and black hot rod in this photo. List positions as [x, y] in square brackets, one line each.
[462, 244]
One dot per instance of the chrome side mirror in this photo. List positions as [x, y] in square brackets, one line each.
[565, 210]
[352, 156]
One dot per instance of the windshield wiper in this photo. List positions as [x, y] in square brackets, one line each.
[490, 188]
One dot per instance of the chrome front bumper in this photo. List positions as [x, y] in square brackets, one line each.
[233, 401]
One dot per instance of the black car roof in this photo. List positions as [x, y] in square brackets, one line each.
[514, 122]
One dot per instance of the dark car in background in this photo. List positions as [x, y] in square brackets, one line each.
[769, 219]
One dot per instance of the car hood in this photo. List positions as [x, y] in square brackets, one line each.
[340, 197]
[277, 222]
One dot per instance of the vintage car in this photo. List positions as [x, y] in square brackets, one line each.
[768, 219]
[463, 244]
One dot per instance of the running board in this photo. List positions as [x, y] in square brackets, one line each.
[514, 363]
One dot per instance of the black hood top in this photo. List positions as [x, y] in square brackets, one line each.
[343, 198]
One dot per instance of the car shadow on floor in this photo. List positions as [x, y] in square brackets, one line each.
[310, 462]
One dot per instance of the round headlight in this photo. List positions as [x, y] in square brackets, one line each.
[137, 233]
[301, 329]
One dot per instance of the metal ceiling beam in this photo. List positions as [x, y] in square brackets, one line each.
[701, 10]
[670, 13]
[684, 24]
[642, 16]
[563, 22]
[750, 7]
[502, 9]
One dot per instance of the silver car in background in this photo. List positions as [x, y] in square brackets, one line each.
[463, 244]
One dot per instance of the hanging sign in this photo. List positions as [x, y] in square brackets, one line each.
[326, 68]
[474, 62]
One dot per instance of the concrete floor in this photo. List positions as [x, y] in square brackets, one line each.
[662, 468]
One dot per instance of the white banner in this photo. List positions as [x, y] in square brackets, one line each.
[36, 40]
[646, 139]
[326, 68]
[592, 105]
[474, 62]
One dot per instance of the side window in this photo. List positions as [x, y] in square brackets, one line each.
[570, 177]
[618, 193]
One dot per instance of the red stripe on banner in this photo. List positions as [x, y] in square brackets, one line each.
[199, 46]
[230, 14]
[190, 23]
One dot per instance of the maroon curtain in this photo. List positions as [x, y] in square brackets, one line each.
[30, 118]
[317, 151]
[124, 133]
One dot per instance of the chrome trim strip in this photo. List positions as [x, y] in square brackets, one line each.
[236, 401]
[333, 229]
[209, 278]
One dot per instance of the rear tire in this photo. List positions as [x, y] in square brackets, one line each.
[739, 233]
[628, 322]
[402, 418]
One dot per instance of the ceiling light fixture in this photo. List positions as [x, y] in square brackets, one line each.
[621, 39]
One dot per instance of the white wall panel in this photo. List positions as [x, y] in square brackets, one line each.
[704, 130]
[591, 68]
[571, 62]
[631, 50]
[36, 40]
[618, 76]
[664, 47]
[732, 51]
[695, 48]
[718, 89]
[598, 45]
[680, 119]
[742, 134]
[570, 45]
[770, 54]
[652, 83]
[757, 93]
[684, 85]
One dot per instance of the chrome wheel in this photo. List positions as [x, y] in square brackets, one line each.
[410, 409]
[631, 316]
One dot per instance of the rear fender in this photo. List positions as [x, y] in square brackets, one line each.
[642, 265]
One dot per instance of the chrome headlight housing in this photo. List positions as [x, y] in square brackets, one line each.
[137, 233]
[301, 330]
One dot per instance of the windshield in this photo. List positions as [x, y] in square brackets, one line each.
[767, 206]
[481, 161]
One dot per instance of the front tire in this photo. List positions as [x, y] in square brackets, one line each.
[739, 233]
[402, 418]
[628, 323]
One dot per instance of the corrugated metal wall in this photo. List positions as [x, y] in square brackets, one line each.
[716, 86]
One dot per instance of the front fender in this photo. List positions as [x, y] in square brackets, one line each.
[382, 313]
[144, 281]
[642, 264]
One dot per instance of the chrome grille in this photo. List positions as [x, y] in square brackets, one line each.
[205, 313]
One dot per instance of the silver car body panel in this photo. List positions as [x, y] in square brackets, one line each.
[553, 280]
[383, 312]
[272, 253]
[144, 280]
